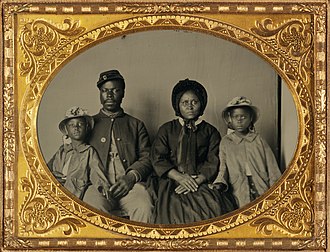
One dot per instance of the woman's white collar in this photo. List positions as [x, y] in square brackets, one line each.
[199, 120]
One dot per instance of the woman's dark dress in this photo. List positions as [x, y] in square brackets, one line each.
[173, 208]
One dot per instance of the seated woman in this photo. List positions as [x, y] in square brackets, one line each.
[185, 159]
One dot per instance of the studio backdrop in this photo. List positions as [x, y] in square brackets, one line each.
[152, 63]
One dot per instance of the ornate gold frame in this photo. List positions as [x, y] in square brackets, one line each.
[39, 38]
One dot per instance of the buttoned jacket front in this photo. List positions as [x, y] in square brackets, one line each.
[131, 138]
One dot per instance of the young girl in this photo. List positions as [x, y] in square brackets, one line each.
[185, 158]
[76, 165]
[247, 164]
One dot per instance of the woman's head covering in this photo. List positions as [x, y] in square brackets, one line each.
[240, 102]
[186, 85]
[75, 112]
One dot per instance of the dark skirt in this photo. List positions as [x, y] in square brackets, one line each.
[173, 208]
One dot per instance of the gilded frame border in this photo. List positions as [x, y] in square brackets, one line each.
[302, 188]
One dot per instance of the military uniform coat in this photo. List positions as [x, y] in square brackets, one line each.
[131, 139]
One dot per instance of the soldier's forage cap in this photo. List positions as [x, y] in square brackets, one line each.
[108, 76]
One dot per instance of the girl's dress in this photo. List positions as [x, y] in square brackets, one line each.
[243, 159]
[188, 150]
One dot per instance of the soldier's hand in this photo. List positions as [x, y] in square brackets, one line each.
[122, 186]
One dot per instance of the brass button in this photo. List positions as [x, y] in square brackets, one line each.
[103, 139]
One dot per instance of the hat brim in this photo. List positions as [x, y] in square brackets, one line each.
[89, 120]
[255, 110]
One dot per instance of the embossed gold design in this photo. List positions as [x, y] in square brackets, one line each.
[9, 135]
[319, 242]
[10, 10]
[164, 8]
[294, 38]
[158, 244]
[8, 123]
[319, 10]
[10, 241]
[285, 57]
[295, 216]
[39, 38]
[39, 216]
[319, 239]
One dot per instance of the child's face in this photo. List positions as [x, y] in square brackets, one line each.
[189, 105]
[240, 119]
[76, 128]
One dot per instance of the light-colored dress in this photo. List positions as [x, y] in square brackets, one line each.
[246, 156]
[80, 171]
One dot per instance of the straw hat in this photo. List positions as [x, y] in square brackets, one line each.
[239, 102]
[75, 112]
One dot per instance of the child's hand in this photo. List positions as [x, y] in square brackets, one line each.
[219, 186]
[59, 176]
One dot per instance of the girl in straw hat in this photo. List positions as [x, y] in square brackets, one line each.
[76, 165]
[247, 164]
[185, 158]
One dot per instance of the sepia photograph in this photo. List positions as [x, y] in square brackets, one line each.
[224, 69]
[164, 126]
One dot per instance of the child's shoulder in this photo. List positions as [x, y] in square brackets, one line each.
[232, 137]
[60, 149]
[227, 138]
[85, 147]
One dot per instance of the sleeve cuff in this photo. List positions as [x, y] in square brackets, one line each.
[136, 174]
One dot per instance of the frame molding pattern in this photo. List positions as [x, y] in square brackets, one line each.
[274, 50]
[319, 13]
[288, 46]
[9, 129]
[40, 215]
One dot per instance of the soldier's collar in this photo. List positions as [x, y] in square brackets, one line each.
[112, 115]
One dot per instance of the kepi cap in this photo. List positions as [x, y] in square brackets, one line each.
[108, 76]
